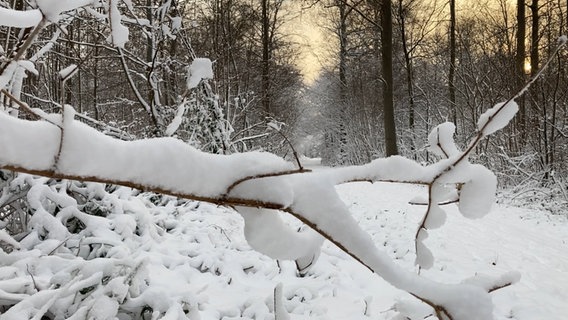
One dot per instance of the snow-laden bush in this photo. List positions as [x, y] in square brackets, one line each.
[84, 253]
[91, 251]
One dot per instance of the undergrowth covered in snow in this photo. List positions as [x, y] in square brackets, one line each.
[100, 252]
[91, 251]
[87, 252]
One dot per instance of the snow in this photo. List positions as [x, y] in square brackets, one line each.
[86, 153]
[496, 118]
[71, 148]
[204, 261]
[503, 241]
[119, 32]
[176, 24]
[279, 309]
[424, 257]
[68, 71]
[436, 218]
[275, 125]
[441, 141]
[176, 122]
[200, 68]
[267, 233]
[5, 237]
[19, 19]
[478, 195]
[52, 9]
[28, 66]
[8, 74]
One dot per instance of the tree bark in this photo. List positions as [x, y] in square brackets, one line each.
[343, 12]
[265, 57]
[386, 62]
[520, 66]
[534, 37]
[452, 71]
[409, 75]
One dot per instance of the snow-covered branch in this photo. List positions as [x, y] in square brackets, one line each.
[169, 166]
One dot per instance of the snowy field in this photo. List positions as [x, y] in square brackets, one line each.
[203, 259]
[338, 288]
[191, 259]
[533, 243]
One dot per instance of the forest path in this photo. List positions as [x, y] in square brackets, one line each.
[533, 243]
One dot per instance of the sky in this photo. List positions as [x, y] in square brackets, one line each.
[314, 41]
[311, 39]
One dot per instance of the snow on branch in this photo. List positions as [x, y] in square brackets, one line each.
[119, 32]
[172, 167]
[200, 69]
[19, 19]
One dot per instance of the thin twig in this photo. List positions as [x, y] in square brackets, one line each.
[29, 40]
[440, 144]
[26, 108]
[477, 138]
[445, 203]
[300, 167]
[499, 287]
[59, 245]
[260, 176]
[33, 279]
[61, 140]
[355, 257]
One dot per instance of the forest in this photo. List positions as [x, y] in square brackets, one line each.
[121, 119]
[448, 61]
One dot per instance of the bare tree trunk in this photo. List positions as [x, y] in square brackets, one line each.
[96, 83]
[534, 96]
[520, 67]
[149, 40]
[409, 75]
[343, 12]
[535, 59]
[79, 73]
[265, 57]
[342, 46]
[452, 71]
[388, 94]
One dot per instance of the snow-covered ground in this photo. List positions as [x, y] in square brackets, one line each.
[183, 258]
[235, 282]
[534, 243]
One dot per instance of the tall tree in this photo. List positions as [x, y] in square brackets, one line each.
[388, 87]
[402, 16]
[265, 94]
[520, 64]
[452, 71]
[535, 34]
[342, 31]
